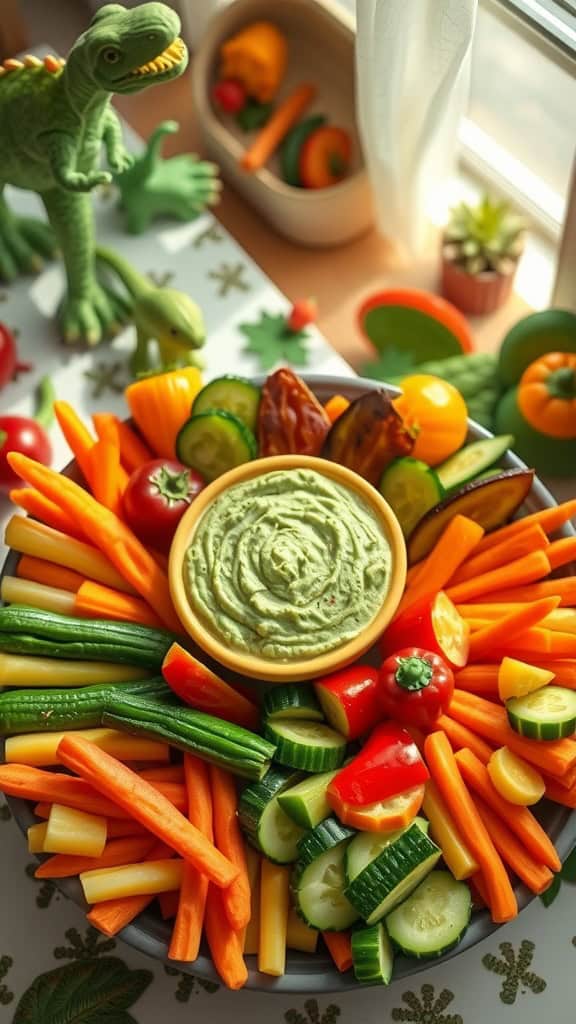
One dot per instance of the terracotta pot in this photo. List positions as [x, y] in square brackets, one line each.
[477, 294]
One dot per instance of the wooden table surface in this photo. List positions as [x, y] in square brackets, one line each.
[338, 278]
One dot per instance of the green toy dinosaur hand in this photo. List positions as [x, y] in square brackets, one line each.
[74, 181]
[119, 160]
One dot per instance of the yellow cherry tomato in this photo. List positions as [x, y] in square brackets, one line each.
[436, 412]
[515, 779]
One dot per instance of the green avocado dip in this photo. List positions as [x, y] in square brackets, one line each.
[288, 565]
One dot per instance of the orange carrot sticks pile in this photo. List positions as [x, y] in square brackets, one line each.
[189, 922]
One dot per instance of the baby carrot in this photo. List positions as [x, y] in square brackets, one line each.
[79, 438]
[550, 519]
[497, 633]
[225, 944]
[277, 126]
[187, 931]
[535, 875]
[46, 511]
[532, 538]
[229, 841]
[116, 852]
[527, 569]
[460, 537]
[113, 915]
[133, 452]
[460, 737]
[40, 571]
[96, 601]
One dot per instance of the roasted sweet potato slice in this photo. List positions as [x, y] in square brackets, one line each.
[368, 436]
[291, 420]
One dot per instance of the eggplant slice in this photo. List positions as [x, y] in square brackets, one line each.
[368, 436]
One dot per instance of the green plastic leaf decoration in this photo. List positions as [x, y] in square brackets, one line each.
[391, 362]
[568, 871]
[86, 992]
[550, 894]
[272, 342]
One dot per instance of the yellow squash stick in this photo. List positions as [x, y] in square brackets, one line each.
[40, 749]
[299, 935]
[274, 905]
[252, 930]
[37, 837]
[75, 832]
[145, 879]
[13, 590]
[26, 670]
[444, 832]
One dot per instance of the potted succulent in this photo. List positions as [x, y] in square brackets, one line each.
[481, 248]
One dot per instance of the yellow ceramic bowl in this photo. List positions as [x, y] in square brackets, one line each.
[317, 665]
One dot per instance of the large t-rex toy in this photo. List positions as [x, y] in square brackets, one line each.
[54, 117]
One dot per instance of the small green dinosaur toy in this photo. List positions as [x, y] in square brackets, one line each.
[54, 118]
[181, 186]
[165, 315]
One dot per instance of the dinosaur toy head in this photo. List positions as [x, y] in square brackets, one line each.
[173, 318]
[124, 51]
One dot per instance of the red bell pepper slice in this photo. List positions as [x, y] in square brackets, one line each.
[198, 686]
[433, 624]
[349, 700]
[389, 763]
[416, 687]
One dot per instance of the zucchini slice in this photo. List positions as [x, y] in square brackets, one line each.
[214, 442]
[411, 488]
[318, 881]
[472, 460]
[372, 955]
[311, 746]
[393, 874]
[291, 701]
[231, 394]
[434, 917]
[545, 714]
[491, 503]
[265, 824]
[306, 802]
[366, 846]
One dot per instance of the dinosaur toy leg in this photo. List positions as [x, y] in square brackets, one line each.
[25, 243]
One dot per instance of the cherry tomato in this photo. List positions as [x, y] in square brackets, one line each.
[21, 434]
[156, 497]
[229, 95]
[416, 687]
[303, 313]
[436, 411]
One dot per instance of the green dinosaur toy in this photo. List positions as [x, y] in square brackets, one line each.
[181, 186]
[165, 315]
[54, 118]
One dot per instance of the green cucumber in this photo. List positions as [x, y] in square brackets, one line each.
[393, 874]
[213, 739]
[264, 822]
[231, 394]
[545, 714]
[214, 442]
[291, 701]
[306, 802]
[411, 488]
[372, 955]
[25, 630]
[472, 460]
[366, 846]
[73, 708]
[318, 881]
[291, 146]
[311, 746]
[434, 917]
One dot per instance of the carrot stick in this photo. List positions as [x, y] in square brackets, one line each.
[187, 931]
[479, 890]
[564, 588]
[105, 473]
[229, 841]
[40, 571]
[53, 787]
[555, 757]
[444, 771]
[225, 944]
[540, 642]
[460, 737]
[95, 601]
[277, 126]
[536, 876]
[169, 904]
[556, 792]
[79, 438]
[550, 519]
[142, 801]
[519, 820]
[460, 537]
[113, 915]
[335, 406]
[110, 534]
[479, 678]
[133, 452]
[498, 633]
[532, 538]
[116, 852]
[522, 570]
[562, 551]
[340, 949]
[47, 512]
[163, 773]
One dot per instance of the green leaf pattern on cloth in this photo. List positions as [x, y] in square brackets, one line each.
[213, 233]
[6, 996]
[88, 992]
[514, 968]
[427, 1008]
[230, 277]
[567, 873]
[312, 1014]
[92, 945]
[47, 888]
[270, 340]
[188, 986]
[107, 377]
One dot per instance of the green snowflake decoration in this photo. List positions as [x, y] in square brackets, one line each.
[514, 968]
[6, 996]
[188, 986]
[229, 277]
[272, 342]
[107, 377]
[84, 948]
[567, 873]
[5, 812]
[312, 1014]
[212, 234]
[428, 1008]
[47, 891]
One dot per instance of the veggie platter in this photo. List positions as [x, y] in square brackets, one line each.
[307, 836]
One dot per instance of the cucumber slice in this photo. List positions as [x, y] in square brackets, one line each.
[318, 881]
[545, 714]
[291, 702]
[306, 802]
[434, 917]
[472, 460]
[366, 846]
[214, 442]
[311, 746]
[264, 822]
[231, 394]
[393, 874]
[372, 955]
[411, 488]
